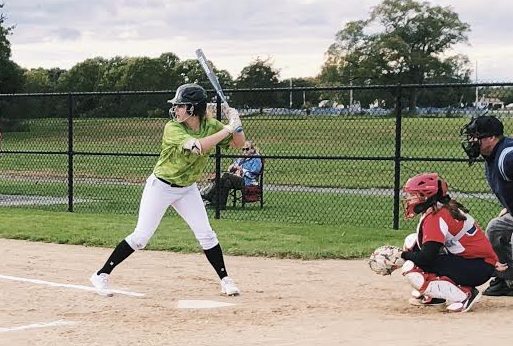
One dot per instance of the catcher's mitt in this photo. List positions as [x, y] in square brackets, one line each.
[385, 259]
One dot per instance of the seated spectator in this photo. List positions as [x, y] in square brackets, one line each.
[243, 171]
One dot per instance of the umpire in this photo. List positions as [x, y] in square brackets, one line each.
[484, 136]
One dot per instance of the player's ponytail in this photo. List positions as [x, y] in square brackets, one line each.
[456, 208]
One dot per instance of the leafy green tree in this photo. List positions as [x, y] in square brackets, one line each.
[143, 73]
[84, 76]
[190, 71]
[10, 72]
[5, 45]
[402, 41]
[11, 79]
[37, 81]
[166, 72]
[111, 79]
[259, 74]
[40, 80]
[170, 64]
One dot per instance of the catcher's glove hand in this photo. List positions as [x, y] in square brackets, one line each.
[385, 259]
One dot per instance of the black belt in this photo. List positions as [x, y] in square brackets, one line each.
[170, 184]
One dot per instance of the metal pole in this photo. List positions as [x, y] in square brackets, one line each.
[290, 96]
[70, 153]
[350, 90]
[397, 158]
[477, 89]
[350, 95]
[218, 164]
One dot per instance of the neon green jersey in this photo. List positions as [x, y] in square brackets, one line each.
[177, 165]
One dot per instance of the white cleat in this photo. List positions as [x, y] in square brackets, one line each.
[101, 283]
[228, 287]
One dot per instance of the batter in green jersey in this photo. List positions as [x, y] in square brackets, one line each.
[179, 166]
[188, 138]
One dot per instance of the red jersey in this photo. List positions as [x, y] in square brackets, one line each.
[461, 238]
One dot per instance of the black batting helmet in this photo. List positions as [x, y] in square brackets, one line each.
[193, 96]
[189, 94]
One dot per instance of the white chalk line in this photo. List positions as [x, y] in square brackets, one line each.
[38, 325]
[79, 287]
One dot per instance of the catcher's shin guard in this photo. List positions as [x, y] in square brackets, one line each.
[433, 286]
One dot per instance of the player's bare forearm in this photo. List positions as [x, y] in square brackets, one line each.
[207, 143]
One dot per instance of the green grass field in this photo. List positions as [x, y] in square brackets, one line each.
[371, 211]
[237, 237]
[305, 223]
[318, 136]
[45, 174]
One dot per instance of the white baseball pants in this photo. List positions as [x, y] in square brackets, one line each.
[156, 198]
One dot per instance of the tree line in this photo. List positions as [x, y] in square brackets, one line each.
[401, 41]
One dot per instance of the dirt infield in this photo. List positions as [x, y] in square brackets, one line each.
[283, 302]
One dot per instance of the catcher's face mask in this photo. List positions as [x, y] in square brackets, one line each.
[410, 201]
[423, 191]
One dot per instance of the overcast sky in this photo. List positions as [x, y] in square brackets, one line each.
[295, 34]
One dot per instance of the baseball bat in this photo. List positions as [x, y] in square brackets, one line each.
[209, 71]
[202, 59]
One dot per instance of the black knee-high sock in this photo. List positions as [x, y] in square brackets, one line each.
[215, 257]
[120, 253]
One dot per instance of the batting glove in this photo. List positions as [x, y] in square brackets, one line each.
[234, 123]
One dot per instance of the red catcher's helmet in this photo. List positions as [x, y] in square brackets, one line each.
[422, 191]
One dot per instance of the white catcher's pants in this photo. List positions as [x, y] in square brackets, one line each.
[156, 198]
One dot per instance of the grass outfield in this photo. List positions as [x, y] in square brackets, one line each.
[313, 136]
[45, 175]
[351, 136]
[284, 135]
[237, 237]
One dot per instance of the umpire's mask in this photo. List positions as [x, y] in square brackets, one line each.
[478, 128]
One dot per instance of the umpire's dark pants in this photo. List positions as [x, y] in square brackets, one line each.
[499, 231]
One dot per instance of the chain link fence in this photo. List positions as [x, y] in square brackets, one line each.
[336, 155]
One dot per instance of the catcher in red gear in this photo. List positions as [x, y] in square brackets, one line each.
[449, 255]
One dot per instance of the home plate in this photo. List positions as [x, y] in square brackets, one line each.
[201, 304]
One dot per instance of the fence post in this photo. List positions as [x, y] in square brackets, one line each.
[397, 158]
[218, 164]
[70, 152]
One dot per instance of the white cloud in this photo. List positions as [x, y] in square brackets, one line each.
[294, 33]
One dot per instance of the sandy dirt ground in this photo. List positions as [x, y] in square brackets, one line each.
[283, 302]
